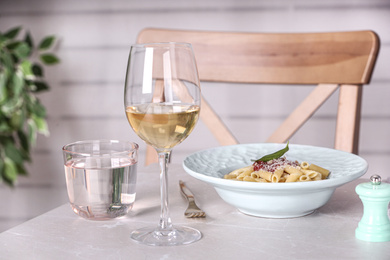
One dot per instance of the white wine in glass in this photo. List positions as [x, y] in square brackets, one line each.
[162, 102]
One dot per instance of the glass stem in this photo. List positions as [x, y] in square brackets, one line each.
[165, 220]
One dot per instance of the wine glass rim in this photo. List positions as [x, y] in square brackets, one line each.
[161, 44]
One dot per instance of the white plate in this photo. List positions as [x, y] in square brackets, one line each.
[211, 165]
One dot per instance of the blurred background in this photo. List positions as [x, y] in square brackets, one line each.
[86, 96]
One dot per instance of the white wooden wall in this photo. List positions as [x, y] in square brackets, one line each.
[86, 98]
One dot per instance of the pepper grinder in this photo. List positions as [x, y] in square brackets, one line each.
[375, 224]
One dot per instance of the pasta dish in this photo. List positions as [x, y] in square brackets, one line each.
[279, 170]
[276, 168]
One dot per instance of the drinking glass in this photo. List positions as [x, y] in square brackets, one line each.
[162, 101]
[101, 177]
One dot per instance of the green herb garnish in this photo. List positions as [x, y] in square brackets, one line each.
[274, 155]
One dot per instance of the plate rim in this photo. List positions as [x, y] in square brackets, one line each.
[250, 186]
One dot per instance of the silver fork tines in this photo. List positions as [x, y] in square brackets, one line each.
[192, 211]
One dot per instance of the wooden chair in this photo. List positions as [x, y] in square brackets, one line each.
[333, 60]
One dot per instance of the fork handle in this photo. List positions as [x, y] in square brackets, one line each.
[185, 191]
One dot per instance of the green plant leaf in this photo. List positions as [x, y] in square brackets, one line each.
[49, 59]
[12, 46]
[38, 109]
[41, 125]
[31, 132]
[26, 68]
[37, 70]
[46, 43]
[3, 40]
[22, 51]
[23, 141]
[17, 120]
[21, 170]
[17, 83]
[12, 33]
[1, 168]
[3, 87]
[28, 39]
[5, 128]
[30, 101]
[10, 106]
[13, 153]
[10, 171]
[7, 60]
[40, 86]
[274, 155]
[3, 174]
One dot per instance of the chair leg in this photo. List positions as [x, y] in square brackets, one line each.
[216, 125]
[302, 113]
[348, 118]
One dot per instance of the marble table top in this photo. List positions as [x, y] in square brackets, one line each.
[328, 233]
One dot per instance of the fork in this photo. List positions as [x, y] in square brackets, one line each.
[192, 211]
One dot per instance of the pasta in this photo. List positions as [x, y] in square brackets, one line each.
[277, 175]
[279, 170]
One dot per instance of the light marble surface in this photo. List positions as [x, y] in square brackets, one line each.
[328, 233]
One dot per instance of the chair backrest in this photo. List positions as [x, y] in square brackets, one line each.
[333, 60]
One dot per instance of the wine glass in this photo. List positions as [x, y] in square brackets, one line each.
[162, 101]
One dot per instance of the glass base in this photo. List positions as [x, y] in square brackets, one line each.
[172, 237]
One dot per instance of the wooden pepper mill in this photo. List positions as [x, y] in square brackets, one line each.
[375, 224]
